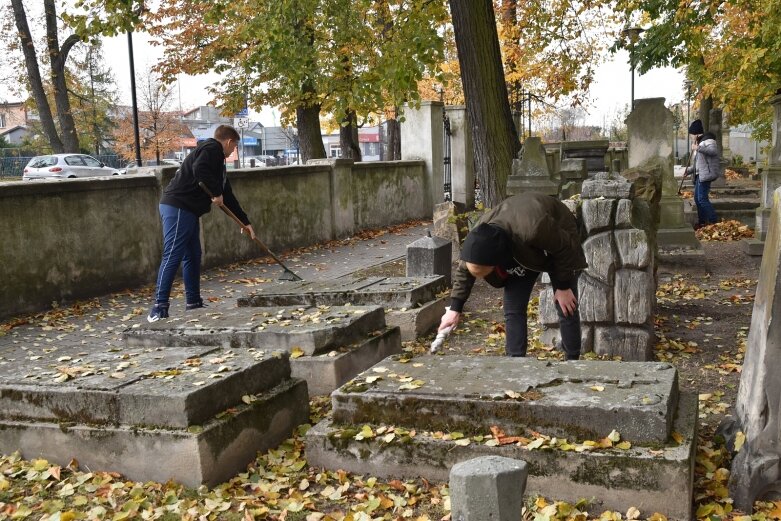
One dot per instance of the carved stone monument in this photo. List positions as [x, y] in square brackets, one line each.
[531, 173]
[651, 141]
[756, 469]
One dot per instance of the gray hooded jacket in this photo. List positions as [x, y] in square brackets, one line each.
[707, 164]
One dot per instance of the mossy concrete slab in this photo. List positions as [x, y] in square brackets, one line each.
[419, 321]
[326, 372]
[201, 454]
[163, 386]
[389, 292]
[658, 479]
[311, 329]
[584, 399]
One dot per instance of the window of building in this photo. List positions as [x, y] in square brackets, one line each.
[2, 120]
[336, 151]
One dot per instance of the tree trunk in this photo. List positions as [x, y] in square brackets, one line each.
[705, 107]
[394, 139]
[310, 137]
[348, 137]
[57, 58]
[34, 77]
[488, 109]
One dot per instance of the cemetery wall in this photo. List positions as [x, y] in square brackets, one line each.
[77, 238]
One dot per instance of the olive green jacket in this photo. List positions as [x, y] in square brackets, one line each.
[544, 237]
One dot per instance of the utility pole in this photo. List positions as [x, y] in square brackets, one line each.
[133, 97]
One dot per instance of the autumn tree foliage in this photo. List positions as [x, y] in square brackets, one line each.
[161, 129]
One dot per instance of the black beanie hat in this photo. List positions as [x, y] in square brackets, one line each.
[487, 245]
[696, 127]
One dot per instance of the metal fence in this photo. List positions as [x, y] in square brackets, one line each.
[13, 166]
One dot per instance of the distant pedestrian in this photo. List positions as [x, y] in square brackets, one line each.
[182, 205]
[524, 235]
[706, 169]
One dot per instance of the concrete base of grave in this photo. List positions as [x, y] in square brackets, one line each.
[678, 245]
[417, 322]
[207, 454]
[326, 372]
[753, 247]
[542, 185]
[658, 479]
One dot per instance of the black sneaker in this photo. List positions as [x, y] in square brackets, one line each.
[158, 311]
[194, 305]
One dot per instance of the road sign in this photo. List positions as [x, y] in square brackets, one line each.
[243, 113]
[241, 122]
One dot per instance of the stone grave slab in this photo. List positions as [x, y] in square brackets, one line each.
[410, 302]
[193, 414]
[396, 420]
[582, 399]
[328, 344]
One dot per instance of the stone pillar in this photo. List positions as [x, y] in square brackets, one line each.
[462, 162]
[771, 179]
[487, 488]
[531, 173]
[573, 172]
[422, 135]
[651, 143]
[616, 295]
[756, 468]
[430, 256]
[342, 211]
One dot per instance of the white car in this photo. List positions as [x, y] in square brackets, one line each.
[61, 166]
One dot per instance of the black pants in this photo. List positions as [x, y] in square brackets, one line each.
[517, 292]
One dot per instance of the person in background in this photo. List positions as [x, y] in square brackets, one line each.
[706, 169]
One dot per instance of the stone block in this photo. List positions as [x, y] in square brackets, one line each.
[753, 247]
[598, 214]
[624, 213]
[547, 309]
[609, 186]
[311, 329]
[417, 322]
[551, 336]
[642, 477]
[389, 292]
[430, 256]
[595, 300]
[634, 297]
[573, 170]
[600, 257]
[633, 250]
[468, 394]
[630, 343]
[325, 372]
[487, 487]
[207, 454]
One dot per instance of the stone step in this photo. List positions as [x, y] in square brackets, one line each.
[312, 329]
[651, 479]
[173, 387]
[389, 292]
[583, 399]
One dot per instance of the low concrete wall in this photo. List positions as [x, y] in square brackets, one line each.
[78, 238]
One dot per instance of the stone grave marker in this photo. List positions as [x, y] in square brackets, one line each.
[530, 173]
[430, 256]
[411, 303]
[196, 415]
[420, 417]
[328, 344]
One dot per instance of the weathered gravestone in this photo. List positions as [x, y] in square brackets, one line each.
[592, 151]
[488, 487]
[616, 293]
[771, 179]
[411, 303]
[530, 173]
[196, 415]
[756, 468]
[651, 142]
[430, 256]
[328, 344]
[573, 172]
[566, 420]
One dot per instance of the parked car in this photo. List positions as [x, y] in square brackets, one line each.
[60, 166]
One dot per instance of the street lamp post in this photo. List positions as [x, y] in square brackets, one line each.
[632, 34]
[688, 85]
[133, 97]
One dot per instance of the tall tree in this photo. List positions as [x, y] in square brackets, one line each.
[66, 139]
[93, 88]
[488, 109]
